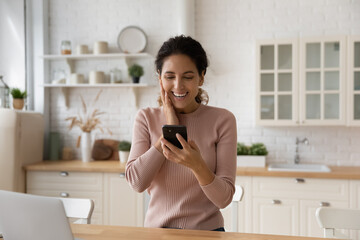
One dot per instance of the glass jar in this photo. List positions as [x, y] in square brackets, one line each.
[65, 47]
[4, 94]
[115, 75]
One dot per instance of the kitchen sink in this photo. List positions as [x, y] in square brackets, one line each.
[286, 167]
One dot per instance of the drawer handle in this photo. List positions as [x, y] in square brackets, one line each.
[64, 194]
[299, 180]
[324, 204]
[275, 201]
[122, 175]
[64, 174]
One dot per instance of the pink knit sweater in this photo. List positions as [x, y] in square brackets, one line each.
[177, 199]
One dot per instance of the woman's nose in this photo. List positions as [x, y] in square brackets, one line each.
[178, 83]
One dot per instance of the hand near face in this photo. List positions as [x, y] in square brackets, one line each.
[168, 107]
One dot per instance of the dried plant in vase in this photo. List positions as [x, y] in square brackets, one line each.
[87, 121]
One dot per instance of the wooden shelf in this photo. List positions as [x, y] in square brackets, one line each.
[86, 85]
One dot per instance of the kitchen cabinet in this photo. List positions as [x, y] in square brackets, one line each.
[114, 202]
[355, 202]
[322, 81]
[286, 206]
[301, 82]
[354, 81]
[277, 82]
[122, 205]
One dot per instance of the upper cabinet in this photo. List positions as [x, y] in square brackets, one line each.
[322, 81]
[304, 82]
[354, 81]
[277, 93]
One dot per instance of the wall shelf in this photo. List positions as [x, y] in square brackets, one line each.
[96, 56]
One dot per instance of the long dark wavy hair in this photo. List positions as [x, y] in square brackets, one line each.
[189, 47]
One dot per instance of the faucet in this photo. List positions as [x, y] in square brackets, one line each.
[298, 141]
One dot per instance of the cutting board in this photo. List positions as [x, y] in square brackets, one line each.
[105, 149]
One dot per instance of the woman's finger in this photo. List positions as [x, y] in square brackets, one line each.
[193, 145]
[182, 141]
[170, 146]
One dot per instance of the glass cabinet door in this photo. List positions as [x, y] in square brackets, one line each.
[354, 81]
[322, 82]
[276, 84]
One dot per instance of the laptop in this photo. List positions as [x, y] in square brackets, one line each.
[30, 217]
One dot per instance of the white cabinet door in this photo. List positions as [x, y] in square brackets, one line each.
[355, 203]
[277, 83]
[354, 81]
[122, 205]
[276, 216]
[308, 224]
[322, 81]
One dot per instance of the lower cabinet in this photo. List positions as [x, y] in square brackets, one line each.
[115, 203]
[286, 206]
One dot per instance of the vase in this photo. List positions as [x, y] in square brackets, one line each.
[86, 147]
[123, 155]
[18, 103]
[251, 161]
[136, 79]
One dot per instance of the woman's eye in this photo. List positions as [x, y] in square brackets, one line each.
[188, 77]
[169, 77]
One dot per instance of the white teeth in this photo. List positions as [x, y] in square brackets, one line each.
[179, 95]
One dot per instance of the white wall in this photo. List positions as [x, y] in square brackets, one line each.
[228, 30]
[12, 43]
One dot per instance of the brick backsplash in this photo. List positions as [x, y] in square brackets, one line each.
[228, 30]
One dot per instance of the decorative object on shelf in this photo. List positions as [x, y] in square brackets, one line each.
[65, 47]
[4, 94]
[54, 146]
[96, 77]
[100, 47]
[18, 98]
[132, 39]
[77, 78]
[67, 153]
[58, 76]
[82, 49]
[115, 75]
[136, 71]
[87, 121]
[124, 151]
[251, 156]
[105, 149]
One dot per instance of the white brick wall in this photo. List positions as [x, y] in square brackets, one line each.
[228, 30]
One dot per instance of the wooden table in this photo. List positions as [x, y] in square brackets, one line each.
[103, 232]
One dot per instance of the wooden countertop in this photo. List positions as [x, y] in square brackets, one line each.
[103, 232]
[337, 172]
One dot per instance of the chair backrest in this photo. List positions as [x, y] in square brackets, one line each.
[332, 219]
[78, 208]
[238, 195]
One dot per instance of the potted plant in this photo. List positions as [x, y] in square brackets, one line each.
[251, 156]
[124, 150]
[136, 71]
[18, 98]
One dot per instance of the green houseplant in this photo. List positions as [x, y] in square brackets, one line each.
[136, 71]
[18, 98]
[251, 156]
[124, 150]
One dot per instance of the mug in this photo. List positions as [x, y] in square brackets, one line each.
[100, 47]
[96, 77]
[82, 49]
[76, 78]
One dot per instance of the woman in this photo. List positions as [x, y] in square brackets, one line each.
[187, 186]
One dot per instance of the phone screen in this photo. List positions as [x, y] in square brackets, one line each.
[169, 133]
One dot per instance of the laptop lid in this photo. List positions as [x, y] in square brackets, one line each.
[30, 217]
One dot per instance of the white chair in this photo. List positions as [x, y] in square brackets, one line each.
[332, 219]
[239, 192]
[80, 209]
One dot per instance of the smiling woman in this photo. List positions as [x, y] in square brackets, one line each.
[187, 186]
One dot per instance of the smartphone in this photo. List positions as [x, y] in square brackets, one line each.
[169, 133]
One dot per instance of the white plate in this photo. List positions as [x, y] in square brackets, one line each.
[132, 40]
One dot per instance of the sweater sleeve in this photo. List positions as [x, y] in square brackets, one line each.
[144, 160]
[221, 190]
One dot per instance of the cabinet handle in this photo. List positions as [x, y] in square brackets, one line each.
[324, 204]
[64, 194]
[275, 201]
[122, 175]
[299, 180]
[64, 174]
